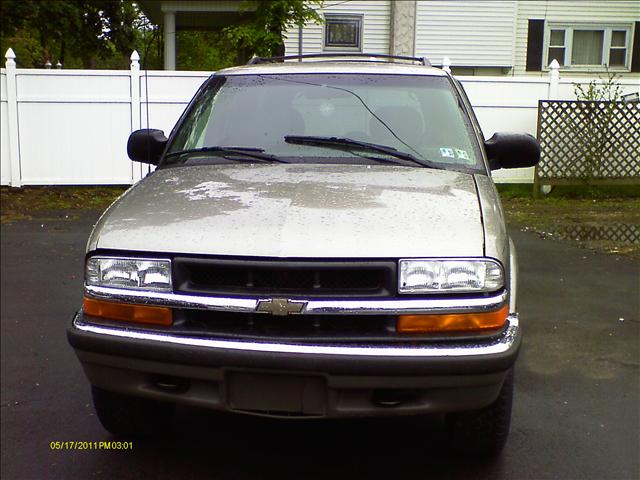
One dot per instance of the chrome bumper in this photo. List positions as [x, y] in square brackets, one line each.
[491, 346]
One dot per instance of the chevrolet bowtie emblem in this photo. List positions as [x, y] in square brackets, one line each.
[280, 306]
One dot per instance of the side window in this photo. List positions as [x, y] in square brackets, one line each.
[192, 132]
[618, 48]
[465, 98]
[557, 45]
[343, 32]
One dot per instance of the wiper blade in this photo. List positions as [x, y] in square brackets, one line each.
[348, 143]
[252, 152]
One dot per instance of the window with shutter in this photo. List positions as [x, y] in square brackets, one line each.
[588, 46]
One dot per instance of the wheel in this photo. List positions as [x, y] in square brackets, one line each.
[483, 432]
[128, 416]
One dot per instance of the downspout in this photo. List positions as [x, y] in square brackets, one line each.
[300, 41]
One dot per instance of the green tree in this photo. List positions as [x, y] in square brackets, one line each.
[103, 33]
[264, 34]
[32, 29]
[203, 50]
[87, 33]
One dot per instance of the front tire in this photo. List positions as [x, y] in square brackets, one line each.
[127, 416]
[483, 432]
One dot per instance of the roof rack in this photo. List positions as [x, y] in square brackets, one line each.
[345, 56]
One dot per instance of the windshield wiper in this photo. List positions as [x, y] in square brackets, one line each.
[251, 152]
[348, 143]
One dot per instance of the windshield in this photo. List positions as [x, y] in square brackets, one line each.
[417, 116]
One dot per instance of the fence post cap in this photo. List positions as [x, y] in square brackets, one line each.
[10, 54]
[554, 65]
[135, 61]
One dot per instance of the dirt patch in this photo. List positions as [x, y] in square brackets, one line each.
[609, 225]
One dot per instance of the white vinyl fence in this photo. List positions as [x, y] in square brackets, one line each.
[70, 127]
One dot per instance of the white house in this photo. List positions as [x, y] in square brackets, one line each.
[484, 37]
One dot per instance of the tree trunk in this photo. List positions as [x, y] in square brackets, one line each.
[89, 62]
[279, 50]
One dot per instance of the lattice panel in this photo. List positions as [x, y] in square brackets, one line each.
[624, 233]
[588, 140]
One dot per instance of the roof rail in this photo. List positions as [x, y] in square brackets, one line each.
[345, 56]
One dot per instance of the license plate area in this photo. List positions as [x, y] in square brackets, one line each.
[276, 394]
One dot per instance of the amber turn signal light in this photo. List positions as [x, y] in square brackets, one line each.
[456, 322]
[127, 312]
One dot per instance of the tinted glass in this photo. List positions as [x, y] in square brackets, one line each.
[556, 54]
[557, 38]
[414, 114]
[342, 32]
[618, 38]
[617, 57]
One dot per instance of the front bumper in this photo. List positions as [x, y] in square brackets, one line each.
[303, 380]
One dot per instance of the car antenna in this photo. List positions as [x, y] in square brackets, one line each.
[146, 95]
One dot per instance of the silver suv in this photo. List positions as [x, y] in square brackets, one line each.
[321, 238]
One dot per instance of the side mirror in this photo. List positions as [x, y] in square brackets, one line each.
[146, 145]
[512, 150]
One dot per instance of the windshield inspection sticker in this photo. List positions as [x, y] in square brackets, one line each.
[462, 154]
[446, 152]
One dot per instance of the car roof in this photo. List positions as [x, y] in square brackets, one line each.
[354, 67]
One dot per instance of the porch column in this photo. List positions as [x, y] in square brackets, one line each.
[403, 27]
[169, 40]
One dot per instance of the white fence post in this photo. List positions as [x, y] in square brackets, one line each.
[554, 80]
[552, 94]
[12, 119]
[136, 168]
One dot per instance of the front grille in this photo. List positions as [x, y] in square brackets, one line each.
[292, 278]
[302, 329]
[292, 328]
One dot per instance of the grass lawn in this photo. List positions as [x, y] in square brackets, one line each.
[37, 202]
[606, 219]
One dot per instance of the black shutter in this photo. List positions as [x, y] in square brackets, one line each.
[535, 40]
[635, 50]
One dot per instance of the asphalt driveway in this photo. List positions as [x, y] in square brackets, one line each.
[576, 413]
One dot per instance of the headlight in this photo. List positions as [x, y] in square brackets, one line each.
[444, 276]
[131, 273]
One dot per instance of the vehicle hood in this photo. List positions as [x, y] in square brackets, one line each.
[295, 210]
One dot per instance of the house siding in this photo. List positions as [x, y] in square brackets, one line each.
[376, 30]
[471, 34]
[566, 11]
